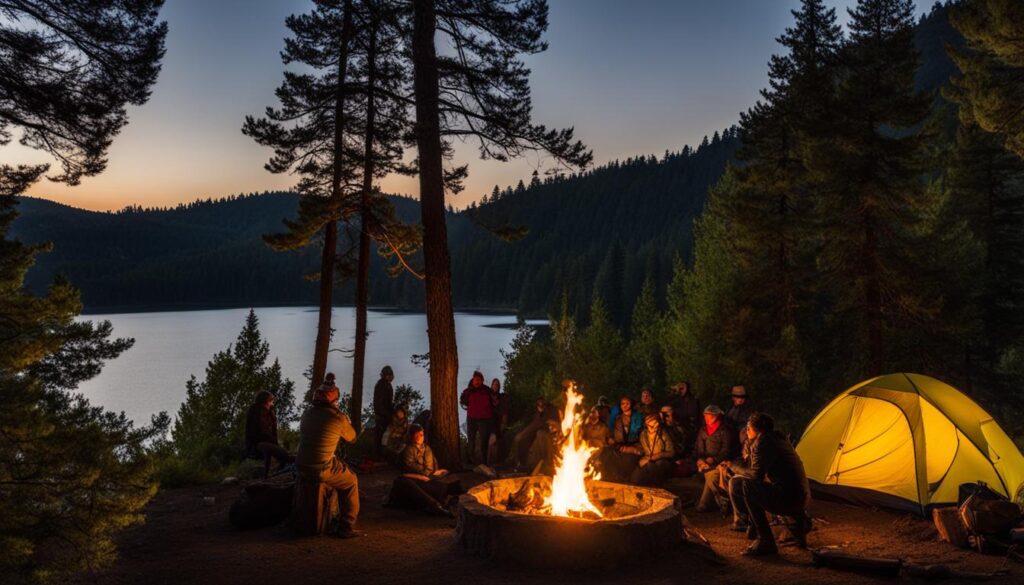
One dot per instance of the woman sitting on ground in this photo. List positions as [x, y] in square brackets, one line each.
[395, 434]
[420, 486]
[261, 433]
[623, 454]
[656, 454]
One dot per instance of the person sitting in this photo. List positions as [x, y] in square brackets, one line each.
[321, 429]
[595, 433]
[647, 403]
[261, 433]
[604, 410]
[419, 486]
[714, 445]
[685, 408]
[541, 459]
[524, 438]
[739, 413]
[681, 440]
[656, 454]
[774, 482]
[622, 456]
[395, 434]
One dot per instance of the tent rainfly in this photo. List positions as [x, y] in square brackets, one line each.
[907, 442]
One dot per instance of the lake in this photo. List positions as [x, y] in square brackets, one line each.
[170, 346]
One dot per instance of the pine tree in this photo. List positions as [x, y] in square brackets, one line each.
[489, 36]
[991, 88]
[210, 426]
[597, 358]
[71, 474]
[308, 134]
[867, 174]
[381, 117]
[644, 358]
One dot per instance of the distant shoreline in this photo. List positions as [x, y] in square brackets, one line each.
[126, 309]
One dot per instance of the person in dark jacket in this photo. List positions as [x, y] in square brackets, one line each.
[685, 407]
[502, 404]
[261, 433]
[714, 445]
[543, 411]
[739, 413]
[478, 400]
[420, 486]
[383, 407]
[773, 483]
[546, 443]
[647, 403]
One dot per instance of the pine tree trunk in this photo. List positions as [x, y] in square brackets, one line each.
[444, 360]
[323, 328]
[873, 302]
[363, 269]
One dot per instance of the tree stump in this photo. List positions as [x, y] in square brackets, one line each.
[316, 507]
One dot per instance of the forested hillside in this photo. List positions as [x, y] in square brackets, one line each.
[606, 230]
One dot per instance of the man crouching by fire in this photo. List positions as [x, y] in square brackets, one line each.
[322, 428]
[774, 482]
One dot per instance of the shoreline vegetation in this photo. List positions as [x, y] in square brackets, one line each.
[180, 308]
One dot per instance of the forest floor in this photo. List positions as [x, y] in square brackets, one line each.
[185, 539]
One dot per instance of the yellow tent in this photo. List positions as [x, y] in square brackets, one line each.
[907, 441]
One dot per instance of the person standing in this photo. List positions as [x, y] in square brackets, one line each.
[322, 428]
[261, 433]
[502, 404]
[383, 407]
[478, 401]
[773, 483]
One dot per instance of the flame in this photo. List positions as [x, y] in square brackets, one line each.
[568, 487]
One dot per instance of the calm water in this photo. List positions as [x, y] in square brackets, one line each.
[171, 346]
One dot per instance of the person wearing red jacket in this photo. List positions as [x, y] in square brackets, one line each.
[478, 400]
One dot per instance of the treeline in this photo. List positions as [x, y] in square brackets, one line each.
[867, 227]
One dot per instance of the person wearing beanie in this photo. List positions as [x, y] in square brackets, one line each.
[383, 407]
[714, 445]
[322, 428]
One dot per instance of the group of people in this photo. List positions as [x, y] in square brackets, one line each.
[748, 469]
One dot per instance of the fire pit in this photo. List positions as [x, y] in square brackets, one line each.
[636, 523]
[572, 519]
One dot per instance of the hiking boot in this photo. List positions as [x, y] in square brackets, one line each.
[761, 548]
[799, 529]
[347, 533]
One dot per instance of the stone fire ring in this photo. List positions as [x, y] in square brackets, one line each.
[643, 523]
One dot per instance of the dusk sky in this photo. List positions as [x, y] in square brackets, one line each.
[633, 77]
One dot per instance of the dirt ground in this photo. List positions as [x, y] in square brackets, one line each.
[186, 540]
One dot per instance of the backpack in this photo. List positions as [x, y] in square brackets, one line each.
[261, 505]
[987, 515]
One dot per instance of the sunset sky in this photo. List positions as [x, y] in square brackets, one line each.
[633, 77]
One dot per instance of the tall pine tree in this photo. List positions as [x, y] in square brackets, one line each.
[479, 90]
[71, 474]
[308, 134]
